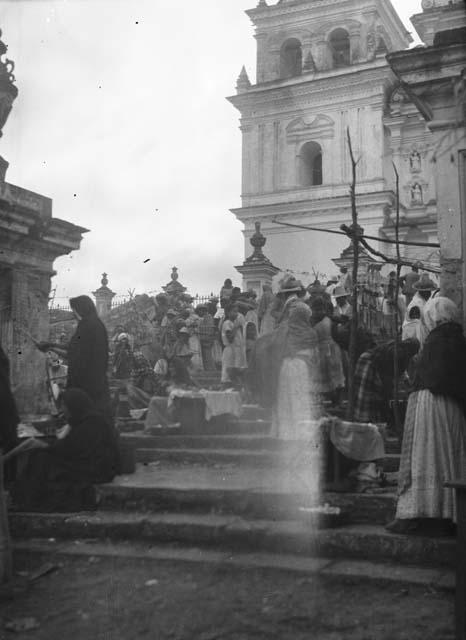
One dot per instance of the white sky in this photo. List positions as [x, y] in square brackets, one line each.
[122, 102]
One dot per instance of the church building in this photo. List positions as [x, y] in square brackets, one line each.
[321, 72]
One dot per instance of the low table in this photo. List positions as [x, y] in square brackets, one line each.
[196, 408]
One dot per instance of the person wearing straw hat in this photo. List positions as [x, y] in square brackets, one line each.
[290, 293]
[298, 368]
[343, 307]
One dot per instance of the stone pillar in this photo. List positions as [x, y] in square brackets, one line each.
[257, 270]
[29, 315]
[103, 297]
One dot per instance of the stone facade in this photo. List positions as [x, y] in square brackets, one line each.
[30, 240]
[321, 70]
[434, 79]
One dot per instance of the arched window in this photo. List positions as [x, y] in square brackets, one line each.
[340, 48]
[311, 164]
[291, 59]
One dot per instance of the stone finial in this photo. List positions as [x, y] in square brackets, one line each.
[103, 297]
[258, 242]
[174, 287]
[8, 90]
[257, 270]
[262, 3]
[243, 83]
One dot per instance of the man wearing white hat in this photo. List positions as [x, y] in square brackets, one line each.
[343, 307]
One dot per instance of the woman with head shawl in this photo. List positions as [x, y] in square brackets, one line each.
[60, 477]
[298, 374]
[267, 305]
[234, 361]
[332, 377]
[434, 440]
[87, 354]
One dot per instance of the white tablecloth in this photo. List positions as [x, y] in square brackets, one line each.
[217, 403]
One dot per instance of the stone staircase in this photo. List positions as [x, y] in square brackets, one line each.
[236, 488]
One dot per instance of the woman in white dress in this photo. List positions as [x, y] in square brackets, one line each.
[299, 367]
[434, 440]
[234, 343]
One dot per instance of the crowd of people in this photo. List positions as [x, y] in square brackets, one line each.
[288, 350]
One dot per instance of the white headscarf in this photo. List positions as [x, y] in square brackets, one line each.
[437, 311]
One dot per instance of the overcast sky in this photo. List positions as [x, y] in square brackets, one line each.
[121, 118]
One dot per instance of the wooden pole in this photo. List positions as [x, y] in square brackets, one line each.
[352, 352]
[396, 377]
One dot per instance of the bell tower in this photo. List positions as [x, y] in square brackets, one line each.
[321, 70]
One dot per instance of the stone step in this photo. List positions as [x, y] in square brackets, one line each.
[297, 537]
[217, 426]
[378, 508]
[179, 441]
[240, 457]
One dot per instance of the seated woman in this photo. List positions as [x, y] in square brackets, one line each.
[160, 414]
[60, 476]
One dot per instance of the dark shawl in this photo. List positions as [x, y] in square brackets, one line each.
[9, 418]
[89, 452]
[441, 367]
[61, 478]
[88, 351]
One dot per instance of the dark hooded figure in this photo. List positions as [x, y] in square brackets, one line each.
[88, 353]
[60, 477]
[9, 418]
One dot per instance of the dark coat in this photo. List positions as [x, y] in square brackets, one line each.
[88, 354]
[441, 367]
[60, 478]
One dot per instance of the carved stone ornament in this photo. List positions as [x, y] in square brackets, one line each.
[417, 197]
[371, 46]
[415, 161]
[258, 242]
[396, 100]
[8, 90]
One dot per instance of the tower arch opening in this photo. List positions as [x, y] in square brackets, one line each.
[291, 58]
[339, 42]
[310, 158]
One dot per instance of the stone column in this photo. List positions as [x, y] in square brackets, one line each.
[103, 297]
[257, 270]
[29, 314]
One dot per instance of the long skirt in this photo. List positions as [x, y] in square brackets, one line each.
[433, 452]
[207, 356]
[196, 359]
[295, 404]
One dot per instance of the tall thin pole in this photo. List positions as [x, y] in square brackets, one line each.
[397, 293]
[354, 317]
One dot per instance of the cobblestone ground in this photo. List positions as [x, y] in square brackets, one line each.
[119, 599]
